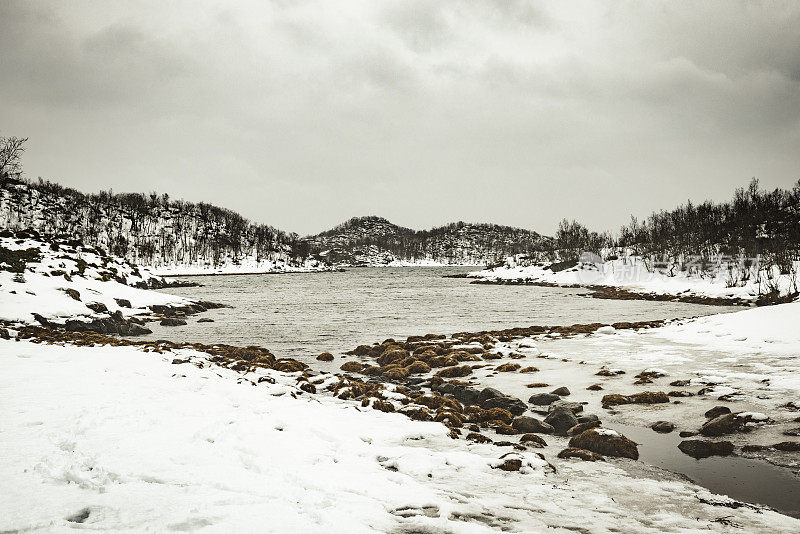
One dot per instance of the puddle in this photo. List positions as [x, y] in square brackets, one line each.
[743, 479]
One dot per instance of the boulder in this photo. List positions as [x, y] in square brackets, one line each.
[701, 448]
[663, 427]
[464, 394]
[576, 407]
[561, 419]
[561, 392]
[531, 425]
[730, 423]
[716, 411]
[512, 404]
[97, 307]
[588, 417]
[132, 329]
[543, 399]
[606, 442]
[172, 321]
[489, 393]
[205, 320]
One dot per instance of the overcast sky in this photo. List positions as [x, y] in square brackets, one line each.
[302, 114]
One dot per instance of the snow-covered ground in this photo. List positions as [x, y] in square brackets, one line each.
[751, 357]
[114, 439]
[632, 274]
[41, 288]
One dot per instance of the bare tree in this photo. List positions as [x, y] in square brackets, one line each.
[11, 149]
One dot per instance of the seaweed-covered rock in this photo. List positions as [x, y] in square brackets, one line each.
[606, 442]
[325, 357]
[455, 371]
[533, 440]
[645, 397]
[172, 321]
[352, 367]
[508, 367]
[418, 367]
[582, 427]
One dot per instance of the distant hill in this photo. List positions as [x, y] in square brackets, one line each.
[174, 236]
[375, 241]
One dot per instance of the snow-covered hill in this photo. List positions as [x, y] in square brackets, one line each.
[376, 241]
[171, 237]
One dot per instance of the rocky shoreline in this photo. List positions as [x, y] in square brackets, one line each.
[428, 378]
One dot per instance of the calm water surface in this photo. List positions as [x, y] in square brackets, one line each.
[301, 315]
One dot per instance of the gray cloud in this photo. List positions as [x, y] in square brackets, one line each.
[302, 114]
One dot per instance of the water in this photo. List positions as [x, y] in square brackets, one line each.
[743, 479]
[301, 315]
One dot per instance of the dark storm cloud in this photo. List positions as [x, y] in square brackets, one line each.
[302, 114]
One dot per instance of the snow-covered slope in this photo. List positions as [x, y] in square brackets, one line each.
[58, 279]
[112, 439]
[171, 237]
[633, 274]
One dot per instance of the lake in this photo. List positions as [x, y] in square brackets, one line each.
[300, 315]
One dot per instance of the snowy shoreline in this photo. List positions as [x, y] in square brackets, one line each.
[633, 277]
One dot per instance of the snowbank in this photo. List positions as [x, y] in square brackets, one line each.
[114, 439]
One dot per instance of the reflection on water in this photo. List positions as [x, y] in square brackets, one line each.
[300, 315]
